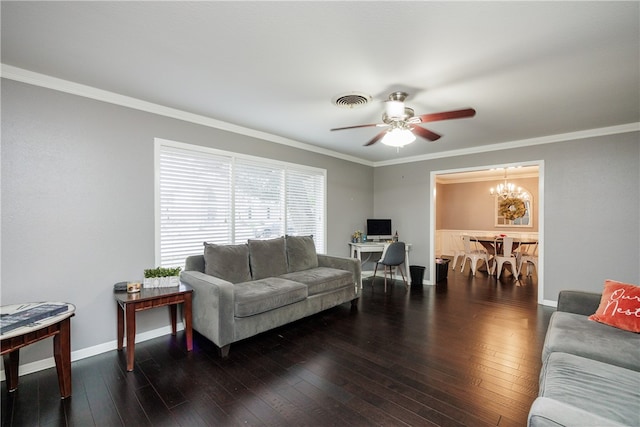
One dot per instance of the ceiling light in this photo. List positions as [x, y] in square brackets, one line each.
[398, 137]
[508, 190]
[394, 106]
[394, 109]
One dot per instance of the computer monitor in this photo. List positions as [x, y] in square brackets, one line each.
[379, 229]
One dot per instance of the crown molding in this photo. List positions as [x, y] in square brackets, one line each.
[42, 80]
[45, 81]
[549, 139]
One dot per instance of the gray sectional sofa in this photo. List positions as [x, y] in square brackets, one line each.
[591, 371]
[243, 290]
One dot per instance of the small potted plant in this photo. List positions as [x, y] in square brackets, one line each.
[161, 277]
[356, 237]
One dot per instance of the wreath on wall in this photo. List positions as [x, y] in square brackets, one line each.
[512, 208]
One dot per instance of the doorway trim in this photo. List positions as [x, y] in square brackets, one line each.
[540, 206]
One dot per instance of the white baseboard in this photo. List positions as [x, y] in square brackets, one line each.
[83, 353]
[550, 303]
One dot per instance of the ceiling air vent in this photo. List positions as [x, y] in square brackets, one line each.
[352, 100]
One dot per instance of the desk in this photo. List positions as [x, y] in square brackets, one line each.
[145, 300]
[357, 249]
[58, 327]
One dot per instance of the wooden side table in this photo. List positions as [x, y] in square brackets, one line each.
[57, 326]
[128, 304]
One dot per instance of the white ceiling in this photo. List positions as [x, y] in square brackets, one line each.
[530, 69]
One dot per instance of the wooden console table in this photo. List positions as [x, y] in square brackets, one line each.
[57, 326]
[128, 304]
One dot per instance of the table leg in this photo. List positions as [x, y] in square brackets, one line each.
[131, 335]
[120, 316]
[187, 321]
[62, 355]
[11, 362]
[407, 267]
[173, 308]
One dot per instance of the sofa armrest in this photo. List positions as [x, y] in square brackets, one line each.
[578, 302]
[349, 264]
[213, 306]
[546, 412]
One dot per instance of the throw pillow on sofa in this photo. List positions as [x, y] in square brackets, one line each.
[228, 262]
[267, 258]
[619, 306]
[301, 253]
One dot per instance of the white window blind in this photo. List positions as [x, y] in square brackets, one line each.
[195, 202]
[218, 197]
[305, 196]
[259, 200]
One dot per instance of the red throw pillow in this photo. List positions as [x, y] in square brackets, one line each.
[619, 306]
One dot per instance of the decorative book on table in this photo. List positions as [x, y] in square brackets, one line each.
[11, 321]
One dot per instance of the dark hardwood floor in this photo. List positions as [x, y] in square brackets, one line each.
[464, 352]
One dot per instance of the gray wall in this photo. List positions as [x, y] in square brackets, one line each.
[591, 213]
[78, 202]
[78, 208]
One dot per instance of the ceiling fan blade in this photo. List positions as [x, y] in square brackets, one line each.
[376, 138]
[448, 115]
[354, 127]
[426, 133]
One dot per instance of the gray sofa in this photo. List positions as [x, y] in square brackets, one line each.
[243, 290]
[591, 371]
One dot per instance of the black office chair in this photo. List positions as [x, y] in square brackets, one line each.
[393, 256]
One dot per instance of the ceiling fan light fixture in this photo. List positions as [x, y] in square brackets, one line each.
[400, 121]
[394, 109]
[398, 137]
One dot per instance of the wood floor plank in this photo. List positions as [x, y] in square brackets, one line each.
[463, 352]
[24, 402]
[154, 407]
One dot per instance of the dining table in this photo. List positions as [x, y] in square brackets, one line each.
[493, 244]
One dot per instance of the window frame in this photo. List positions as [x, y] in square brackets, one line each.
[285, 167]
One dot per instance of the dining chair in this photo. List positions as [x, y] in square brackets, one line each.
[506, 257]
[392, 256]
[473, 254]
[530, 256]
[458, 249]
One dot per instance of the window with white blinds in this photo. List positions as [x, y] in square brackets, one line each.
[220, 197]
[305, 207]
[259, 200]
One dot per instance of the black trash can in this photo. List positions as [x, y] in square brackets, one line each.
[442, 269]
[417, 274]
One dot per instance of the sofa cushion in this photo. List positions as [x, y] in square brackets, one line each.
[258, 296]
[301, 253]
[227, 262]
[267, 257]
[619, 306]
[609, 391]
[576, 334]
[321, 279]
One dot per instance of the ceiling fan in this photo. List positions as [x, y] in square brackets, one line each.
[402, 124]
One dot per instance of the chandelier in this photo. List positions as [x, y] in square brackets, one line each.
[508, 190]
